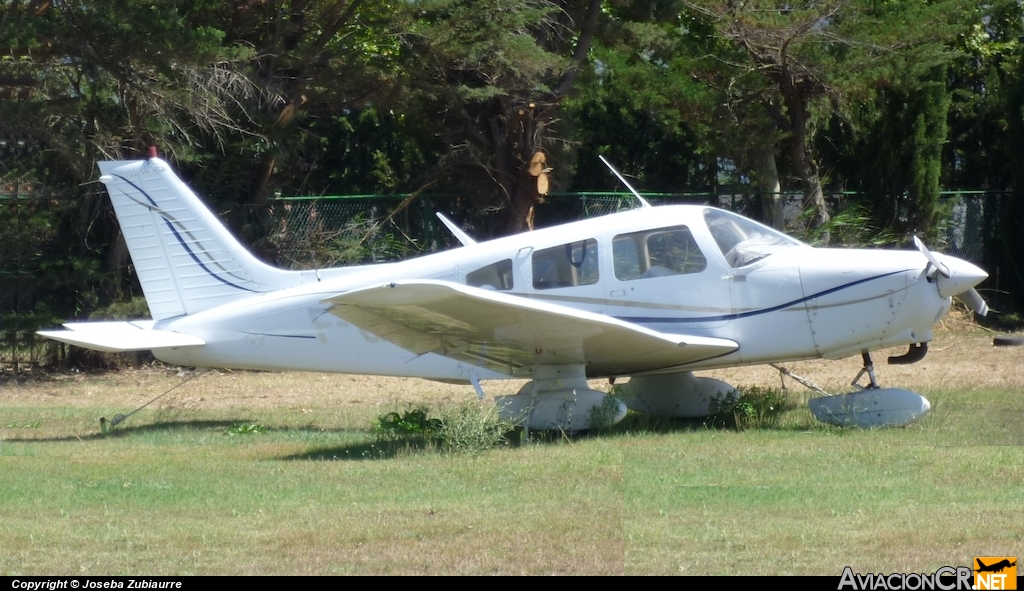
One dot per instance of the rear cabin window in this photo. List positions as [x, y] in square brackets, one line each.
[567, 265]
[656, 253]
[497, 276]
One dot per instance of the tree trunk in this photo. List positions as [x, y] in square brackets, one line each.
[523, 137]
[527, 128]
[804, 165]
[772, 205]
[261, 190]
[524, 201]
[116, 265]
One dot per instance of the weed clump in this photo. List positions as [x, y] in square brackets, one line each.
[466, 428]
[470, 429]
[245, 429]
[411, 424]
[750, 408]
[602, 416]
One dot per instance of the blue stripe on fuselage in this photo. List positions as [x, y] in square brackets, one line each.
[738, 315]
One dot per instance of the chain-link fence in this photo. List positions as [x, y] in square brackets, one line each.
[26, 227]
[331, 231]
[967, 217]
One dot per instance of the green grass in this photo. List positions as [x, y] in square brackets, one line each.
[204, 492]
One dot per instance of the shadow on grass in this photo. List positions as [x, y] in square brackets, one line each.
[639, 424]
[372, 450]
[135, 430]
[634, 424]
[242, 428]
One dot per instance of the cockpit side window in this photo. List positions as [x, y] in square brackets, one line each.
[497, 276]
[744, 241]
[656, 253]
[566, 265]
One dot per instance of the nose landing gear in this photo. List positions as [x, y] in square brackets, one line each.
[871, 406]
[869, 368]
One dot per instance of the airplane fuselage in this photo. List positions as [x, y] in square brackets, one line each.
[798, 302]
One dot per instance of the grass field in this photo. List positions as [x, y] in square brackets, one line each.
[264, 473]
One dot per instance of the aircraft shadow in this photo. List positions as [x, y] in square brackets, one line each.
[131, 431]
[389, 449]
[640, 423]
[367, 450]
[372, 450]
[633, 424]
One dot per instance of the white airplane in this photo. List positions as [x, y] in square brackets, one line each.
[653, 294]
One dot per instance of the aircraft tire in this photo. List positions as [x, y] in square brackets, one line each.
[1007, 341]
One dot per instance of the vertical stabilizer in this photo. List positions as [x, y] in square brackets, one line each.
[186, 260]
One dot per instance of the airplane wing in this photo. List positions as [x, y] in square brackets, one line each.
[508, 333]
[119, 337]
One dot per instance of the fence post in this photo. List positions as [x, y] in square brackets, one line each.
[17, 277]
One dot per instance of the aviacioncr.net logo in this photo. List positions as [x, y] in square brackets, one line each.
[946, 578]
[995, 573]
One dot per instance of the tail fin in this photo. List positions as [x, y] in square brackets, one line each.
[186, 260]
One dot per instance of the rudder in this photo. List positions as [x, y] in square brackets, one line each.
[186, 260]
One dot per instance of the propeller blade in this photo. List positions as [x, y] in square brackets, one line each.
[942, 269]
[955, 277]
[973, 300]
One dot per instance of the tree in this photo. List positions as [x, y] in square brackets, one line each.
[809, 60]
[1011, 216]
[899, 154]
[639, 105]
[493, 77]
[311, 63]
[101, 79]
[982, 82]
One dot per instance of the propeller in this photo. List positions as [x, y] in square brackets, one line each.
[973, 300]
[942, 269]
[956, 278]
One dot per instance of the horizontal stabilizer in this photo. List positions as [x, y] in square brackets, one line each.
[510, 333]
[120, 337]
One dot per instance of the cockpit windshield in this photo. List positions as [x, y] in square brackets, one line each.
[744, 241]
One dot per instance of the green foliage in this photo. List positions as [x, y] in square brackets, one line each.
[472, 429]
[23, 425]
[315, 241]
[492, 77]
[753, 407]
[852, 227]
[136, 307]
[603, 415]
[894, 156]
[245, 429]
[643, 117]
[382, 152]
[982, 143]
[466, 428]
[413, 422]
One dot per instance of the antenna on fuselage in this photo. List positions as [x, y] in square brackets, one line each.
[458, 232]
[643, 202]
